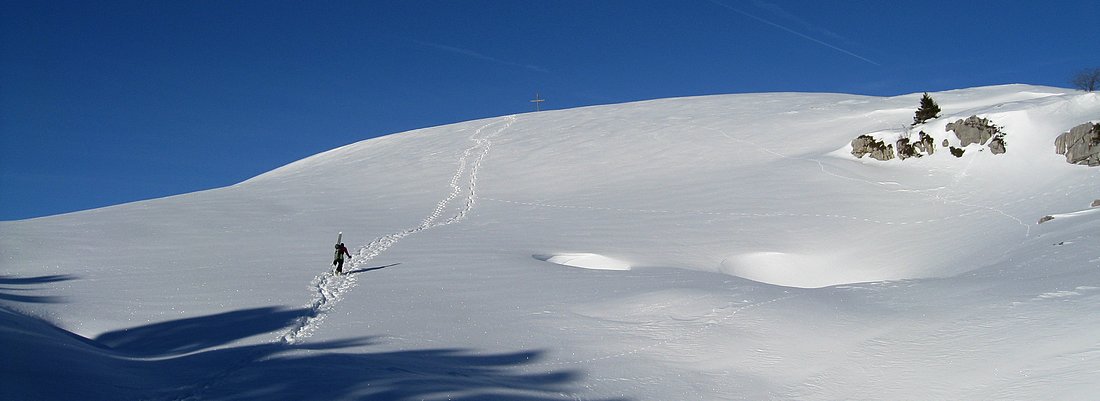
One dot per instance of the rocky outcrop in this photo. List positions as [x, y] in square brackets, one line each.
[1096, 203]
[905, 150]
[997, 145]
[978, 130]
[925, 144]
[972, 130]
[861, 146]
[1081, 145]
[868, 145]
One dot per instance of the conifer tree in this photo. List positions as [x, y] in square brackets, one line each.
[927, 111]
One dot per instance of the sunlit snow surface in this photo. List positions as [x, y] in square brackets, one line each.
[723, 247]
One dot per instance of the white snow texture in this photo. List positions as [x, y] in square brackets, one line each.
[720, 247]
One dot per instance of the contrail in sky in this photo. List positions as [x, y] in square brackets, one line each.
[471, 53]
[794, 32]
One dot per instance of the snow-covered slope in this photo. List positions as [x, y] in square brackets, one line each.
[722, 247]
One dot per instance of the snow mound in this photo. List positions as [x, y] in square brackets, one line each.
[789, 269]
[585, 261]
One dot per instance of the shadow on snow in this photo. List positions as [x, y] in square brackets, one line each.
[193, 334]
[364, 270]
[9, 292]
[181, 359]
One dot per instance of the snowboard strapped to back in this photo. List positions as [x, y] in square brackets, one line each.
[339, 250]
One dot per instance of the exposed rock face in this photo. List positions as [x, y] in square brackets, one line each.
[883, 154]
[975, 130]
[905, 150]
[972, 130]
[978, 130]
[997, 145]
[925, 144]
[868, 145]
[1081, 145]
[1096, 203]
[862, 145]
[1045, 219]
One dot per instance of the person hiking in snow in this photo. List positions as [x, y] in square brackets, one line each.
[341, 250]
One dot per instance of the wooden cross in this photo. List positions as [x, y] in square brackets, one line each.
[538, 101]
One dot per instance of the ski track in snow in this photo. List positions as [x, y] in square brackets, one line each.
[328, 289]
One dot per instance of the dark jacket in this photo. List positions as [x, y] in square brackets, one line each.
[341, 250]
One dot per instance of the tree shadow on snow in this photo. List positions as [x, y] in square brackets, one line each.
[11, 288]
[182, 336]
[274, 371]
[188, 359]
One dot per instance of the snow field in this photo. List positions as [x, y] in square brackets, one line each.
[329, 288]
[728, 248]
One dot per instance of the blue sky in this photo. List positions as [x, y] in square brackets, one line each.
[103, 103]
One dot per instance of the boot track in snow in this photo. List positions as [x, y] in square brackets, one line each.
[328, 289]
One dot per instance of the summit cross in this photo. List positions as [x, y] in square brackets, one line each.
[538, 102]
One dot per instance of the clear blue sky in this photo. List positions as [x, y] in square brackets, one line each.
[103, 103]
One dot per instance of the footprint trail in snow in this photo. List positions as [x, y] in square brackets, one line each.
[328, 289]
